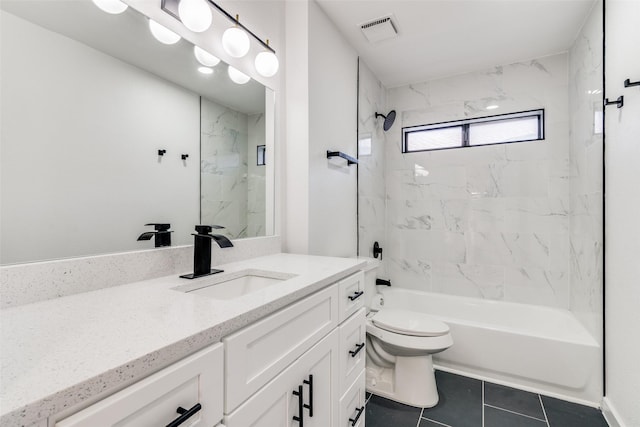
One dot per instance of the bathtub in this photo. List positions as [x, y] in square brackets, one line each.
[540, 349]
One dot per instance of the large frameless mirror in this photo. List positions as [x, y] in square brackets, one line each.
[105, 130]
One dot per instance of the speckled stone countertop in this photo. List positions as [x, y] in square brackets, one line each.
[58, 353]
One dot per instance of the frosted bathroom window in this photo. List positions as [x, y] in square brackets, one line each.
[500, 129]
[433, 139]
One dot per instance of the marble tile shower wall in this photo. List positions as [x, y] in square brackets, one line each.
[223, 179]
[586, 218]
[489, 222]
[371, 152]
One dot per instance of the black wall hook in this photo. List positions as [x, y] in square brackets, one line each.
[629, 83]
[161, 152]
[619, 102]
[184, 156]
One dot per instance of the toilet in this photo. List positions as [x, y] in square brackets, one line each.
[400, 345]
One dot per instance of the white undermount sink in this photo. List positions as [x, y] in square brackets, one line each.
[237, 284]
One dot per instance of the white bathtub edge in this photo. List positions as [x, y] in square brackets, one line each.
[610, 413]
[521, 386]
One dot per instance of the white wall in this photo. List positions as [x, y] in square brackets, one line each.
[296, 153]
[321, 115]
[622, 154]
[333, 73]
[89, 126]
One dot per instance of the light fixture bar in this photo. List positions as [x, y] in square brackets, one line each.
[171, 7]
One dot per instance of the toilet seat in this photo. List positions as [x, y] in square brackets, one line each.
[409, 323]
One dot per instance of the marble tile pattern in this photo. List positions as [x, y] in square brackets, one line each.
[586, 177]
[39, 281]
[489, 222]
[122, 334]
[371, 169]
[224, 168]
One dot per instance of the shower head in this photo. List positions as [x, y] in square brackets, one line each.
[388, 119]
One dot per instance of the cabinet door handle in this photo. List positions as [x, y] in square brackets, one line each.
[359, 347]
[356, 295]
[309, 382]
[359, 411]
[300, 418]
[184, 415]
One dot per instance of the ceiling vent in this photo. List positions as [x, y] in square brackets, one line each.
[379, 29]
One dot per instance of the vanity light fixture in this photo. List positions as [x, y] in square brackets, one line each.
[195, 15]
[205, 58]
[492, 107]
[205, 70]
[267, 63]
[162, 33]
[237, 76]
[235, 41]
[113, 7]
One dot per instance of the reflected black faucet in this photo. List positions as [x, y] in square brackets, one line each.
[162, 235]
[202, 250]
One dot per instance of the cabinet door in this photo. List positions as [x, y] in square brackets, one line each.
[275, 405]
[352, 404]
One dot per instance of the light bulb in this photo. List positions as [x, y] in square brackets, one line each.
[267, 64]
[204, 57]
[195, 15]
[237, 76]
[111, 6]
[163, 34]
[205, 70]
[236, 42]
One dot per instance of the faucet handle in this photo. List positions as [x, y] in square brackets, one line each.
[206, 229]
[160, 226]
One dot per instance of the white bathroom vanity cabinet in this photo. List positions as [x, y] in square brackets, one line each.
[299, 365]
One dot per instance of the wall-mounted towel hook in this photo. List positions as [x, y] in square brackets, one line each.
[184, 156]
[350, 160]
[629, 83]
[619, 102]
[161, 152]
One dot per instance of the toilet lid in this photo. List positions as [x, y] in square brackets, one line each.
[409, 323]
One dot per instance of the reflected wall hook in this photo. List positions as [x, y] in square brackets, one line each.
[619, 102]
[629, 83]
[161, 152]
[184, 156]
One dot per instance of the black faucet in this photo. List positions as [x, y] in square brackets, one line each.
[162, 235]
[202, 250]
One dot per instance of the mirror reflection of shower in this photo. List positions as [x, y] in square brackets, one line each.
[388, 119]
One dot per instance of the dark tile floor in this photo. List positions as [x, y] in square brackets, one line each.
[467, 402]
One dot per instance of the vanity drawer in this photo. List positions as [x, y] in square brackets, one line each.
[259, 352]
[353, 337]
[352, 404]
[351, 294]
[154, 400]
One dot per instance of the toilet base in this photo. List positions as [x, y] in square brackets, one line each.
[411, 381]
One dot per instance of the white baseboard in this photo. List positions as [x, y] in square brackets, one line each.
[610, 414]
